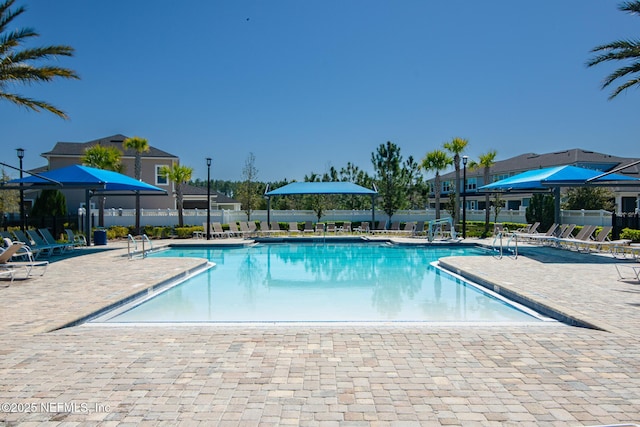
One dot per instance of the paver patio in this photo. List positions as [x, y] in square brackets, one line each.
[320, 374]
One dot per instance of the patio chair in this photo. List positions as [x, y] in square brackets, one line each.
[76, 239]
[320, 228]
[50, 240]
[331, 227]
[418, 230]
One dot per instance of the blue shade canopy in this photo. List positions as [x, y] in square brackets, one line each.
[559, 176]
[321, 188]
[77, 176]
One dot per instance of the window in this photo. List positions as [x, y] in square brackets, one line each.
[471, 184]
[160, 179]
[446, 186]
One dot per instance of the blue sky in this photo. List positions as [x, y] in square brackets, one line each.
[306, 85]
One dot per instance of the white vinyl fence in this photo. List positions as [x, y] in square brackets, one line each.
[169, 217]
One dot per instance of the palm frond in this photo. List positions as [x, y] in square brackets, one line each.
[33, 104]
[621, 72]
[627, 85]
[16, 65]
[630, 6]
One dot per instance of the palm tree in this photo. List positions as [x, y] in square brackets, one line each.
[436, 161]
[486, 161]
[456, 146]
[102, 157]
[139, 145]
[621, 50]
[17, 65]
[178, 175]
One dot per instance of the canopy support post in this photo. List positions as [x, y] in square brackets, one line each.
[556, 205]
[87, 216]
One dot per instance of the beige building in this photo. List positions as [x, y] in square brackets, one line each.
[71, 153]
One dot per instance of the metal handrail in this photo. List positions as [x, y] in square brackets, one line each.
[500, 249]
[131, 241]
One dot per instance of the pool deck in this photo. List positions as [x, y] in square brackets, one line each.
[320, 374]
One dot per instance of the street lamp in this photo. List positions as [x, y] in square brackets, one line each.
[465, 159]
[208, 230]
[20, 152]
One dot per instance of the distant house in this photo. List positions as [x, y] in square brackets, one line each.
[196, 198]
[626, 199]
[70, 153]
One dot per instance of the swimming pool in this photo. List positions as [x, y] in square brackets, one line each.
[341, 282]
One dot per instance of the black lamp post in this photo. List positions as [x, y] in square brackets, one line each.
[465, 159]
[208, 230]
[20, 152]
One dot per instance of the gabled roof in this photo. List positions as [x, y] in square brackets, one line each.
[575, 157]
[77, 149]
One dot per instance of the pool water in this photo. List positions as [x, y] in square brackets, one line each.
[323, 283]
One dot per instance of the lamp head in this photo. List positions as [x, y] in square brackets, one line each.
[208, 161]
[465, 159]
[20, 152]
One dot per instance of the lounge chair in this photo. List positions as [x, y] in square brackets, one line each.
[50, 240]
[345, 228]
[35, 249]
[76, 239]
[320, 228]
[234, 231]
[39, 242]
[364, 227]
[308, 227]
[539, 237]
[418, 230]
[582, 238]
[245, 230]
[293, 228]
[602, 242]
[218, 231]
[331, 227]
[16, 250]
[394, 227]
[382, 227]
[635, 270]
[408, 228]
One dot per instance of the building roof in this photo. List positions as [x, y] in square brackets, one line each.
[192, 190]
[76, 149]
[575, 157]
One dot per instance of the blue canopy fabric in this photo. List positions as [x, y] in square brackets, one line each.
[85, 177]
[320, 188]
[558, 176]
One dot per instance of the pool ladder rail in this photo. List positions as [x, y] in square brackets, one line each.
[137, 247]
[499, 248]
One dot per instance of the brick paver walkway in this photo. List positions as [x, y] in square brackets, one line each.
[320, 375]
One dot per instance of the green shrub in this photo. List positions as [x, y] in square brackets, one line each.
[187, 232]
[117, 232]
[631, 234]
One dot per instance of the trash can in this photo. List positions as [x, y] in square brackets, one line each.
[99, 237]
